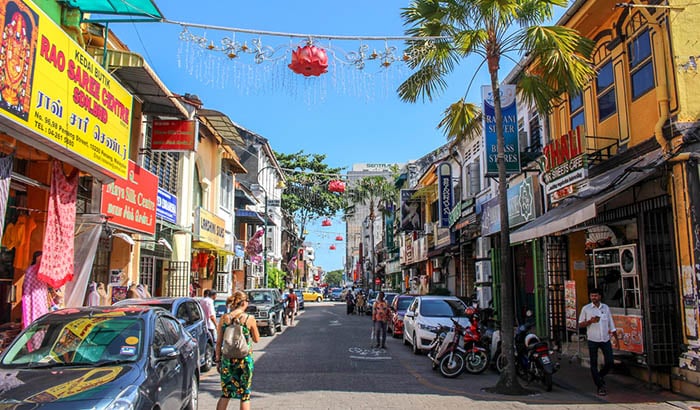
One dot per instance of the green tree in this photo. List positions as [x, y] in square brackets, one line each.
[376, 192]
[334, 277]
[558, 62]
[275, 277]
[307, 197]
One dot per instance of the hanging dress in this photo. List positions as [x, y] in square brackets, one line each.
[57, 262]
[35, 295]
[5, 173]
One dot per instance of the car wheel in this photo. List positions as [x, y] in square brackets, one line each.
[208, 358]
[279, 322]
[272, 329]
[319, 299]
[414, 346]
[194, 394]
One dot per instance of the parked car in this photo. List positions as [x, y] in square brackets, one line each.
[424, 316]
[311, 295]
[220, 308]
[336, 294]
[268, 307]
[105, 357]
[189, 312]
[398, 305]
[300, 298]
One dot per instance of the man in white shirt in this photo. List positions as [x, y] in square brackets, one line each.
[597, 319]
[207, 303]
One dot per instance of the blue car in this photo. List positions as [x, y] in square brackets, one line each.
[190, 314]
[106, 357]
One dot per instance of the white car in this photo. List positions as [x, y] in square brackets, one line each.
[426, 314]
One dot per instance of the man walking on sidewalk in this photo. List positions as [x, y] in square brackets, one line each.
[380, 314]
[597, 320]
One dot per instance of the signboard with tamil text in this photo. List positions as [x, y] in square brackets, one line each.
[131, 203]
[55, 89]
[173, 135]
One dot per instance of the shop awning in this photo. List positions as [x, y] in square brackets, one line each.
[223, 125]
[138, 77]
[249, 217]
[146, 10]
[574, 211]
[211, 247]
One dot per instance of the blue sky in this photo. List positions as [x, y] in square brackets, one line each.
[351, 116]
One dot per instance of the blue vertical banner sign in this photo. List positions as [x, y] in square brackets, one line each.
[445, 202]
[510, 130]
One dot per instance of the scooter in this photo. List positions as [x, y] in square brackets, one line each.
[476, 355]
[445, 353]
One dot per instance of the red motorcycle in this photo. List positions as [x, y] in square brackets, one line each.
[476, 356]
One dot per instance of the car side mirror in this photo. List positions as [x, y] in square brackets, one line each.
[410, 314]
[167, 352]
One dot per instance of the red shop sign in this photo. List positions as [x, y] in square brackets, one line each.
[131, 203]
[173, 135]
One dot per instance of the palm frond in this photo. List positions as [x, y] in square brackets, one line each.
[425, 83]
[461, 121]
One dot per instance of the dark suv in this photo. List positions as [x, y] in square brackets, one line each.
[268, 307]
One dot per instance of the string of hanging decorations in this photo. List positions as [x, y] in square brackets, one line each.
[253, 60]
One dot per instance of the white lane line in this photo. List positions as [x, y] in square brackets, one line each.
[371, 358]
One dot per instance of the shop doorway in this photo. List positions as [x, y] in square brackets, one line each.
[556, 253]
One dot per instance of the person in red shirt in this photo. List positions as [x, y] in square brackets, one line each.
[380, 316]
[292, 304]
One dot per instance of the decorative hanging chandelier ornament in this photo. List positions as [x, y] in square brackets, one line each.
[332, 247]
[309, 60]
[326, 222]
[339, 238]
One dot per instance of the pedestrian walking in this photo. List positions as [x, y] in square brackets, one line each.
[291, 309]
[380, 316]
[350, 301]
[597, 320]
[207, 304]
[236, 374]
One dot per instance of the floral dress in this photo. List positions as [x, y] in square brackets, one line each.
[237, 374]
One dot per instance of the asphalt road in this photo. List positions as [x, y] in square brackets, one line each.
[326, 361]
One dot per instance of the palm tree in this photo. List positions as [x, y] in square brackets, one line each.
[373, 190]
[558, 62]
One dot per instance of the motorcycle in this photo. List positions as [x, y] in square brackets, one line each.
[533, 357]
[445, 352]
[476, 355]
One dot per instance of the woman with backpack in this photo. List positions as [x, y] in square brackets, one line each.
[236, 374]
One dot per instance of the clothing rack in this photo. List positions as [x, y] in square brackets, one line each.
[22, 208]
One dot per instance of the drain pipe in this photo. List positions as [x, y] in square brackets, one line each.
[662, 93]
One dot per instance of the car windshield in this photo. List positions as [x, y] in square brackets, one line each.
[258, 296]
[404, 303]
[390, 298]
[442, 308]
[73, 341]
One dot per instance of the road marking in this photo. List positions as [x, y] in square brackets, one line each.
[334, 323]
[371, 358]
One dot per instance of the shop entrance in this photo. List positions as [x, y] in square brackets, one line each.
[557, 274]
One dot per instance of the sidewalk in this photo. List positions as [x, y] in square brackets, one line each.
[574, 374]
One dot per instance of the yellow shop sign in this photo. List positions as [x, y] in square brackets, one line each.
[210, 228]
[51, 86]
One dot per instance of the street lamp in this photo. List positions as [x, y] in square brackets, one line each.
[280, 185]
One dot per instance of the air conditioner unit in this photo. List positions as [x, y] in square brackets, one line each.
[628, 260]
[437, 276]
[437, 263]
[483, 246]
[428, 228]
[483, 271]
[484, 295]
[238, 263]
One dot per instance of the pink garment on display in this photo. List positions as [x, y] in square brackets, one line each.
[57, 264]
[35, 295]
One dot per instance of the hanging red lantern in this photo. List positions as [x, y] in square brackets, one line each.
[309, 60]
[332, 247]
[336, 186]
[326, 222]
[339, 238]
